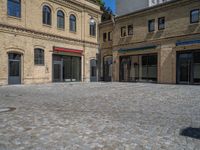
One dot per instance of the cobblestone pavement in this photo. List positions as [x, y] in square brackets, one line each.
[99, 116]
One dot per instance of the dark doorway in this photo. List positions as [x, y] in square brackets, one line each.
[107, 68]
[93, 70]
[14, 67]
[188, 67]
[66, 68]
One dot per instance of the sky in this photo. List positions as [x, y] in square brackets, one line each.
[111, 4]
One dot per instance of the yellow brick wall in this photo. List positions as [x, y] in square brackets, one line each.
[24, 34]
[177, 27]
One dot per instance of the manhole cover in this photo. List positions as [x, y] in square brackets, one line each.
[7, 109]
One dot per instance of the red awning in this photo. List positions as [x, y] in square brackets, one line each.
[68, 50]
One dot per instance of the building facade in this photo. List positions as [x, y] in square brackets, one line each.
[127, 6]
[158, 44]
[45, 41]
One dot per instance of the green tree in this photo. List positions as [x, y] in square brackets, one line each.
[107, 12]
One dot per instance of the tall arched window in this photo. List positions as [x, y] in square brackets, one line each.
[14, 8]
[93, 29]
[72, 23]
[60, 19]
[46, 15]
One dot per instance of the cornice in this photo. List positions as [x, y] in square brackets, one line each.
[42, 35]
[75, 5]
[149, 10]
[158, 40]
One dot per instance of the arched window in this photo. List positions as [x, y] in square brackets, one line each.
[60, 19]
[93, 29]
[72, 23]
[39, 56]
[46, 15]
[14, 8]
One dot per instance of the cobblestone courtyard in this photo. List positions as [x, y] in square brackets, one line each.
[99, 116]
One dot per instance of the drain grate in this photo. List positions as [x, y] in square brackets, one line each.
[7, 109]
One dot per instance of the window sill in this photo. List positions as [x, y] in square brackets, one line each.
[194, 23]
[131, 35]
[46, 25]
[123, 37]
[61, 29]
[93, 36]
[38, 65]
[16, 18]
[151, 32]
[73, 32]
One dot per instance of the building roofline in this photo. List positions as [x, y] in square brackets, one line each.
[145, 10]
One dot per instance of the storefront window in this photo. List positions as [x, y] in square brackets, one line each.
[197, 67]
[138, 68]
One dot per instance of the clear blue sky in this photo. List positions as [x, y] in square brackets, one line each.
[111, 4]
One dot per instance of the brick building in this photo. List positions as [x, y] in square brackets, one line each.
[48, 40]
[157, 44]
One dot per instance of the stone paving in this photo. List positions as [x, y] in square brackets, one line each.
[99, 116]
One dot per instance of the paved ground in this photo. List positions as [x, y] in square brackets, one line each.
[99, 116]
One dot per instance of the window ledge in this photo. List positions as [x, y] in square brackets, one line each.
[194, 23]
[73, 32]
[13, 17]
[123, 37]
[61, 29]
[130, 35]
[46, 25]
[38, 65]
[93, 36]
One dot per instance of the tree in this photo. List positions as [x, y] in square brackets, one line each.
[107, 12]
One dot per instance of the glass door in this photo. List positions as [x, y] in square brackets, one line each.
[76, 69]
[196, 69]
[107, 68]
[67, 68]
[184, 68]
[14, 75]
[57, 65]
[125, 65]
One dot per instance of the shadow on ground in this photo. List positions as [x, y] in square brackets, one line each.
[191, 132]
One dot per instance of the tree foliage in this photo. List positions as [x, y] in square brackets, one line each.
[107, 12]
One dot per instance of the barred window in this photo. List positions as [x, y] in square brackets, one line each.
[60, 19]
[14, 8]
[46, 15]
[72, 23]
[39, 56]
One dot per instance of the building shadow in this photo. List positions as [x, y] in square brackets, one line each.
[191, 132]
